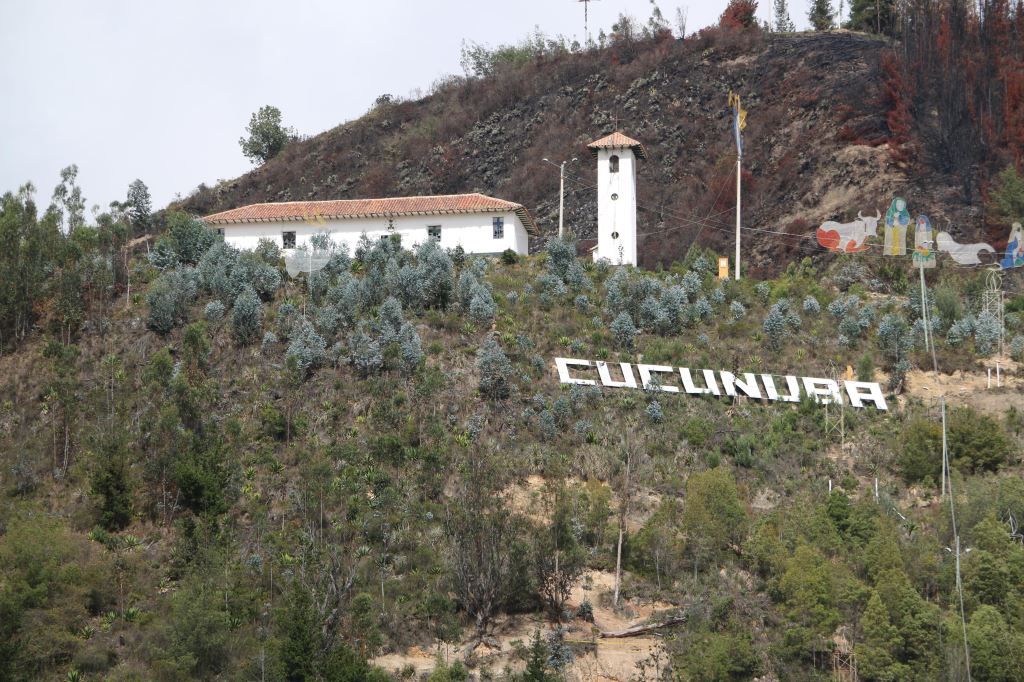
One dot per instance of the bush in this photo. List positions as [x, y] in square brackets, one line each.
[624, 330]
[169, 299]
[307, 349]
[246, 317]
[188, 237]
[774, 326]
[1017, 348]
[509, 257]
[986, 333]
[920, 454]
[214, 311]
[654, 412]
[738, 310]
[365, 353]
[410, 348]
[811, 305]
[495, 371]
[977, 441]
[481, 305]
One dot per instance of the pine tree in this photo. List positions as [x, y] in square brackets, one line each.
[783, 24]
[821, 15]
[139, 206]
[875, 659]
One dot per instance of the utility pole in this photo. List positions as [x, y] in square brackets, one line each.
[739, 122]
[561, 195]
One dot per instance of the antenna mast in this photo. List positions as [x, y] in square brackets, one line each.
[586, 19]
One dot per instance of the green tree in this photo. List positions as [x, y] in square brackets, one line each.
[995, 648]
[111, 483]
[266, 136]
[712, 517]
[139, 206]
[782, 22]
[68, 204]
[875, 16]
[298, 636]
[821, 15]
[1006, 201]
[875, 652]
[920, 450]
[977, 441]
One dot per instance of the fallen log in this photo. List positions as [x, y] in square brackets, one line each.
[642, 629]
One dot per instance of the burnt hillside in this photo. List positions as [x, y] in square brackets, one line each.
[815, 141]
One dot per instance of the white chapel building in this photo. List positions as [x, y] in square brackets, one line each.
[479, 224]
[616, 156]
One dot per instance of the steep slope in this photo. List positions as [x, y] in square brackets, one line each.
[816, 121]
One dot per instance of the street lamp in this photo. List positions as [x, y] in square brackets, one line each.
[561, 194]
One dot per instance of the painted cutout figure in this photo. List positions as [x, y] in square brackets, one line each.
[964, 254]
[897, 219]
[848, 237]
[1014, 257]
[924, 246]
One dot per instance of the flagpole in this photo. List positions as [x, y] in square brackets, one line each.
[739, 159]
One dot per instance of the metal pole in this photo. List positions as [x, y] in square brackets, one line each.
[561, 201]
[963, 622]
[945, 448]
[929, 342]
[739, 160]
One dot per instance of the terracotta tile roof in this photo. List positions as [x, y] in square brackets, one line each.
[617, 139]
[372, 208]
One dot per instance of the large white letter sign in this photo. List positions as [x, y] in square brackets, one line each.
[859, 391]
[628, 381]
[824, 391]
[748, 386]
[791, 384]
[709, 380]
[563, 371]
[645, 377]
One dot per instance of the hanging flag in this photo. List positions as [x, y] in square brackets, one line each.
[739, 120]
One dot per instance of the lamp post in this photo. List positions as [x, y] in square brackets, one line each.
[561, 194]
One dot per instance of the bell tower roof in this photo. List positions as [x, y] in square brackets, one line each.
[618, 140]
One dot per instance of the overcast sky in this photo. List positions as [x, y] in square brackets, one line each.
[135, 90]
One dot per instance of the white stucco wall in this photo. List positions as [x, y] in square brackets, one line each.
[616, 215]
[474, 232]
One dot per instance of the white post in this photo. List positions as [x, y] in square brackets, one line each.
[561, 201]
[990, 377]
[830, 486]
[876, 488]
[739, 160]
[999, 375]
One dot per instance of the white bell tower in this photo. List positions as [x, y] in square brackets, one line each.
[616, 157]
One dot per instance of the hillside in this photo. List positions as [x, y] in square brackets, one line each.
[230, 474]
[817, 120]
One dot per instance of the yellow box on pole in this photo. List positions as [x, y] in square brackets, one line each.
[723, 267]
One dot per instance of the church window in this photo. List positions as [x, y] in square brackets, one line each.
[499, 228]
[434, 232]
[615, 197]
[613, 164]
[615, 235]
[288, 240]
[220, 231]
